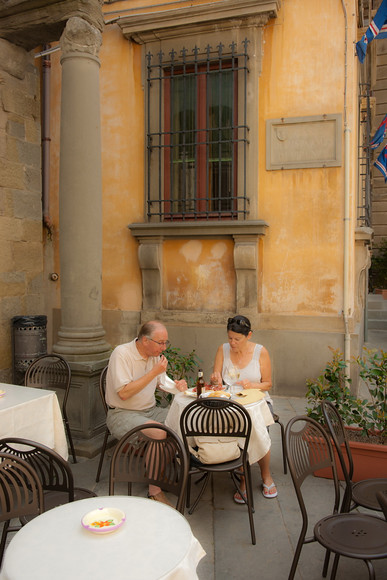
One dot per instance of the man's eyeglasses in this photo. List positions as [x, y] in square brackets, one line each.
[165, 343]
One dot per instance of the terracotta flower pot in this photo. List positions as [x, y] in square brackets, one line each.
[369, 461]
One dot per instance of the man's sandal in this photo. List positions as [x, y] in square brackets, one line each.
[161, 498]
[266, 489]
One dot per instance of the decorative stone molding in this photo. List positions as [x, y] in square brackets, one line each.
[81, 37]
[245, 235]
[165, 24]
[32, 23]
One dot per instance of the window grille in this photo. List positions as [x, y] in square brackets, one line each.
[364, 204]
[197, 134]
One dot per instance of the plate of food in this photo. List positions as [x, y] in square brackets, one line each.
[2, 393]
[219, 393]
[103, 520]
[191, 392]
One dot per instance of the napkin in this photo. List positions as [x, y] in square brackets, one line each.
[168, 385]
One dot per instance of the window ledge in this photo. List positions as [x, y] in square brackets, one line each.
[198, 229]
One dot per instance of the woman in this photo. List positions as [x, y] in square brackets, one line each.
[249, 362]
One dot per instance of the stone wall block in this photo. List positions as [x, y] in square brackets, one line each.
[33, 133]
[27, 256]
[27, 205]
[16, 129]
[29, 153]
[11, 306]
[35, 303]
[11, 229]
[6, 255]
[19, 102]
[33, 179]
[32, 230]
[12, 174]
[12, 284]
[13, 59]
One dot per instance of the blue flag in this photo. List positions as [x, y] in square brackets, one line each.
[381, 163]
[377, 28]
[379, 135]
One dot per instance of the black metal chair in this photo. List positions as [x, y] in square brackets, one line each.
[21, 494]
[53, 372]
[102, 391]
[382, 499]
[54, 472]
[353, 535]
[278, 422]
[138, 458]
[361, 493]
[214, 418]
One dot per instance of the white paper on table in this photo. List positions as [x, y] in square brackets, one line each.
[168, 385]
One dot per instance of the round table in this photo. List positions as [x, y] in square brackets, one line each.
[259, 412]
[155, 542]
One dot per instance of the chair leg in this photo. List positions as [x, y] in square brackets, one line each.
[249, 495]
[3, 539]
[105, 439]
[70, 440]
[283, 446]
[371, 571]
[334, 567]
[203, 488]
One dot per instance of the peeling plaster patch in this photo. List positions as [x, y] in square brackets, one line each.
[191, 250]
[218, 250]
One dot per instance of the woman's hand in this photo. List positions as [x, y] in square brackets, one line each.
[216, 378]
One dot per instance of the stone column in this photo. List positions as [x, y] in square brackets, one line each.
[81, 335]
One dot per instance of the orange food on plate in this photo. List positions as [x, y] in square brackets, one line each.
[219, 394]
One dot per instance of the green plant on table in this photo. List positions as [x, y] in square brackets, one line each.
[180, 366]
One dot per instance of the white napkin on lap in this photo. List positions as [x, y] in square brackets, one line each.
[168, 385]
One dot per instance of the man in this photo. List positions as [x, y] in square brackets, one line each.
[135, 370]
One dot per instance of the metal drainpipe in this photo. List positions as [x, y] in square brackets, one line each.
[46, 63]
[346, 286]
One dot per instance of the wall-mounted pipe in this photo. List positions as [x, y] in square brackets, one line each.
[46, 139]
[347, 216]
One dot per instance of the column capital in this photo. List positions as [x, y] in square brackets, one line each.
[79, 36]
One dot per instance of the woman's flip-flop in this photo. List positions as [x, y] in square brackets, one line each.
[266, 489]
[238, 497]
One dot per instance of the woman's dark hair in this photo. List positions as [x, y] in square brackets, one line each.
[239, 324]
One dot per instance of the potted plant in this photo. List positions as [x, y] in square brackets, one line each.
[180, 366]
[378, 269]
[365, 419]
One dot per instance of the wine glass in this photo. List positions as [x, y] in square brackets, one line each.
[231, 377]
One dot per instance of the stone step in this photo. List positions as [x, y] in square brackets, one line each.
[376, 302]
[377, 315]
[377, 324]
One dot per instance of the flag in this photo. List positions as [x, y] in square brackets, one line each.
[377, 28]
[379, 135]
[381, 163]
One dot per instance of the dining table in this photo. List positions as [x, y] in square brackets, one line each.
[148, 541]
[33, 414]
[259, 412]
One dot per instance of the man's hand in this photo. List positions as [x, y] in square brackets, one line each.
[161, 366]
[181, 385]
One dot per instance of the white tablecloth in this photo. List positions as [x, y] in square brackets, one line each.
[32, 414]
[155, 542]
[259, 412]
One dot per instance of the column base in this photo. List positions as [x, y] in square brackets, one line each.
[82, 344]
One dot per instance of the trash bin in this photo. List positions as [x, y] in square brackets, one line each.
[29, 341]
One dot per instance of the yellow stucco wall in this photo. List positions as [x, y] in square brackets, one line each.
[301, 268]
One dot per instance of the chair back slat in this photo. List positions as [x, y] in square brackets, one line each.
[138, 458]
[215, 417]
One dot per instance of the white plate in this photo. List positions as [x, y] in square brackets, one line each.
[223, 395]
[103, 520]
[191, 392]
[2, 393]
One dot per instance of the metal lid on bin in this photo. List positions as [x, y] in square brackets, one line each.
[28, 321]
